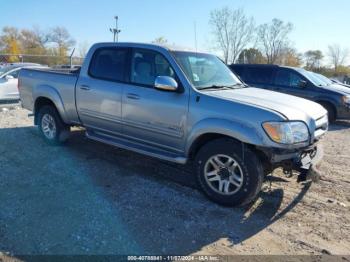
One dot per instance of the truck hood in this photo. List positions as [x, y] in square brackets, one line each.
[291, 107]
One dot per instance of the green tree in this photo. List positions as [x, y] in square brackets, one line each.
[251, 56]
[313, 59]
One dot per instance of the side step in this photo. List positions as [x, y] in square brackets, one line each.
[136, 147]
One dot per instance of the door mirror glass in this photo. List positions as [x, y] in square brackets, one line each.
[302, 83]
[166, 83]
[8, 77]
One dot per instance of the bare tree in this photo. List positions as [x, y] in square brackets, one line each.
[232, 30]
[337, 55]
[9, 35]
[290, 57]
[83, 49]
[33, 41]
[273, 38]
[62, 38]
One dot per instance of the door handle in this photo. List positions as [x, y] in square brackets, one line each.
[85, 87]
[133, 96]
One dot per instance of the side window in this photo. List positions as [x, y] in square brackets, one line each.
[109, 64]
[258, 75]
[287, 78]
[146, 65]
[14, 74]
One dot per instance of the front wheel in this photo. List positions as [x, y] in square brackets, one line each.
[229, 174]
[53, 129]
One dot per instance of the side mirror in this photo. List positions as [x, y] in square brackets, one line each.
[165, 83]
[302, 84]
[8, 77]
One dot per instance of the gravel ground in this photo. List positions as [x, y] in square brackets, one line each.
[90, 198]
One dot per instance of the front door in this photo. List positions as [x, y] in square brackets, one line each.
[150, 116]
[288, 81]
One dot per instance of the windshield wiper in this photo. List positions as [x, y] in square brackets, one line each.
[221, 86]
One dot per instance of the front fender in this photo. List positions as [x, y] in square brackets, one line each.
[52, 94]
[328, 99]
[240, 131]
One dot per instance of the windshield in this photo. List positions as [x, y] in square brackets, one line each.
[324, 79]
[206, 71]
[5, 69]
[313, 78]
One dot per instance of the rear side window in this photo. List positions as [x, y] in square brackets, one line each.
[258, 75]
[109, 64]
[287, 78]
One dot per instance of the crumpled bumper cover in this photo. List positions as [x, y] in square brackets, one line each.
[305, 160]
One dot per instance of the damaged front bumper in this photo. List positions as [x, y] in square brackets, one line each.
[304, 161]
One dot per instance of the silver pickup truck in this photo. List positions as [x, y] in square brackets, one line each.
[179, 106]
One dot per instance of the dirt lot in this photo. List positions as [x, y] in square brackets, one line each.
[90, 198]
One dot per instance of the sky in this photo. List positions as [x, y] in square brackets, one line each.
[317, 23]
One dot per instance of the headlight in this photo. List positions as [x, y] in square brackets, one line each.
[346, 100]
[287, 132]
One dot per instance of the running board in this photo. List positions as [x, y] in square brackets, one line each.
[136, 147]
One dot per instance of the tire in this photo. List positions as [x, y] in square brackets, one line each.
[247, 165]
[331, 112]
[51, 126]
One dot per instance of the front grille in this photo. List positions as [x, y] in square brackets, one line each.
[321, 127]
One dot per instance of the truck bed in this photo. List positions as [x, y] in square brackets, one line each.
[34, 83]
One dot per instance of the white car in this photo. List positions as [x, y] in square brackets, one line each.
[9, 80]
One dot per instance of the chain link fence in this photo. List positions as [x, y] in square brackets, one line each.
[49, 60]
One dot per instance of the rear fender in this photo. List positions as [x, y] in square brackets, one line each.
[52, 94]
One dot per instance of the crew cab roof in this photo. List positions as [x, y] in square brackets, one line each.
[146, 45]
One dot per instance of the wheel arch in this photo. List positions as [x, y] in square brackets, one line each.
[211, 129]
[39, 103]
[47, 95]
[329, 103]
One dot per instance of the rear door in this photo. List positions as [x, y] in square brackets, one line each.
[260, 76]
[99, 92]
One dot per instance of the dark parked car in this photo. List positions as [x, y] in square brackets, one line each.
[298, 82]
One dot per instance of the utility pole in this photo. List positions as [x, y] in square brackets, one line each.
[115, 30]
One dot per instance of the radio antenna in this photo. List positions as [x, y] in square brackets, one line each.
[195, 35]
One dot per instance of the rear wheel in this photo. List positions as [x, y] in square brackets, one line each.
[331, 112]
[228, 175]
[53, 129]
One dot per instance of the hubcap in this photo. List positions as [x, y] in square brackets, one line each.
[223, 174]
[48, 126]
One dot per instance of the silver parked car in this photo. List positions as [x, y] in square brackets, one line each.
[178, 106]
[9, 80]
